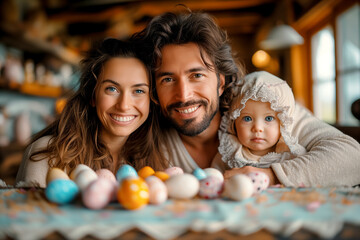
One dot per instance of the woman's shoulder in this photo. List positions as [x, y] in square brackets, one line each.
[40, 143]
[34, 172]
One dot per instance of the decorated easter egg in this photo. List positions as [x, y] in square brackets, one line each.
[61, 191]
[210, 187]
[260, 181]
[214, 172]
[133, 193]
[105, 173]
[78, 169]
[146, 172]
[55, 173]
[98, 193]
[171, 171]
[157, 190]
[238, 187]
[182, 186]
[162, 175]
[85, 177]
[125, 171]
[199, 173]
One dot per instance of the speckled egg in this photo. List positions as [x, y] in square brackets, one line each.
[162, 175]
[55, 173]
[171, 171]
[133, 193]
[85, 177]
[157, 190]
[61, 191]
[98, 193]
[78, 169]
[214, 172]
[182, 186]
[210, 187]
[199, 173]
[146, 172]
[125, 171]
[106, 173]
[260, 181]
[238, 187]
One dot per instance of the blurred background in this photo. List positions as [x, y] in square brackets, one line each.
[312, 44]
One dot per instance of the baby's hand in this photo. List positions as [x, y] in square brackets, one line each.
[273, 180]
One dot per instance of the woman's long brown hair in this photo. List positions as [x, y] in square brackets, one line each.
[75, 133]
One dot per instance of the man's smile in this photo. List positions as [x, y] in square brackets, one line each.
[187, 110]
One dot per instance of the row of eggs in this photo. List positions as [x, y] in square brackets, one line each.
[134, 190]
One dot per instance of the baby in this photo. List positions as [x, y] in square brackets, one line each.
[256, 131]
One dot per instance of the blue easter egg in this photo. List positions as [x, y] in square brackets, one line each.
[199, 174]
[125, 171]
[61, 191]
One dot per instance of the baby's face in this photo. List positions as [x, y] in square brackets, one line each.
[258, 127]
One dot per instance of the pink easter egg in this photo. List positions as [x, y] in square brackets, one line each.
[157, 190]
[211, 187]
[171, 171]
[106, 173]
[260, 181]
[98, 193]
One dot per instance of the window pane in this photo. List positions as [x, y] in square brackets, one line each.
[348, 40]
[350, 89]
[323, 55]
[348, 46]
[324, 101]
[323, 70]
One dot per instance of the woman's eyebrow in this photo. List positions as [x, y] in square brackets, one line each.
[141, 85]
[117, 84]
[110, 81]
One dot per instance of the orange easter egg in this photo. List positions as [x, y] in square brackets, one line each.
[133, 193]
[145, 172]
[162, 175]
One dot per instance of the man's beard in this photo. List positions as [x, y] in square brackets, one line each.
[188, 127]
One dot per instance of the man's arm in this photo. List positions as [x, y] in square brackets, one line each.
[333, 158]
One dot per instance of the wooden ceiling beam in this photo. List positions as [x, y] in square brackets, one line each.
[151, 9]
[154, 8]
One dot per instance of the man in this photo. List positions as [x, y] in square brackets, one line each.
[194, 69]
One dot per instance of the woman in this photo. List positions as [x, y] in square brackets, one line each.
[109, 121]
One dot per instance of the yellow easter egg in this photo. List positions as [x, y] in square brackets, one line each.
[133, 193]
[162, 175]
[55, 173]
[145, 172]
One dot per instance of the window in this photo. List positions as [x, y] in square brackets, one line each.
[335, 91]
[348, 44]
[323, 66]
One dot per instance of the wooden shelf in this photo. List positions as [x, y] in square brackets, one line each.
[36, 89]
[15, 36]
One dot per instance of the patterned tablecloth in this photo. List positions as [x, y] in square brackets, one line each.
[26, 214]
